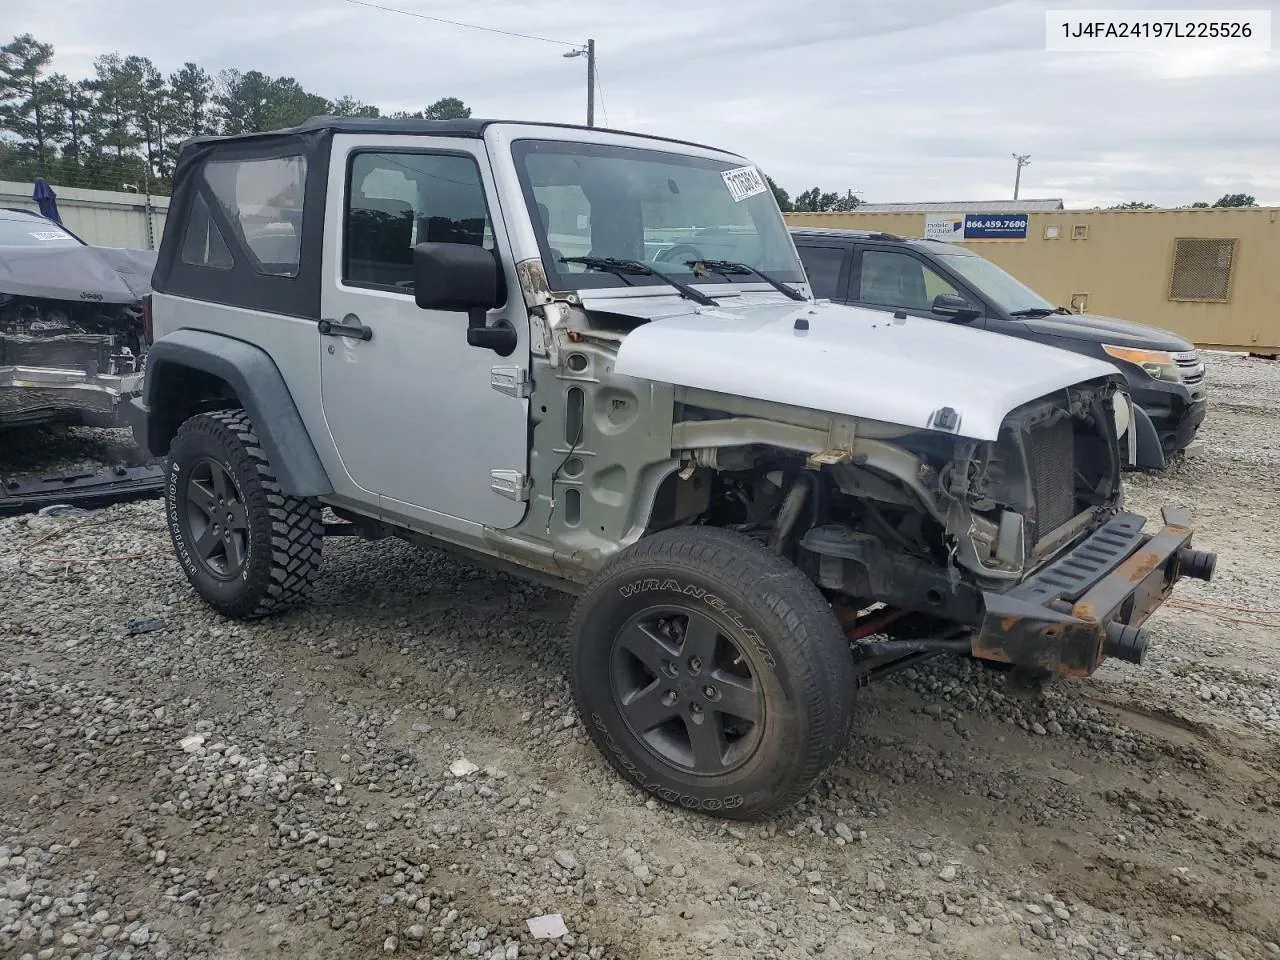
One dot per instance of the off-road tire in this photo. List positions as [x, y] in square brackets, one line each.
[764, 610]
[285, 534]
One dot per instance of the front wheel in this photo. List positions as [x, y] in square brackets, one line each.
[712, 673]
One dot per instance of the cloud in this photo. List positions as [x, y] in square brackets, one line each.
[913, 100]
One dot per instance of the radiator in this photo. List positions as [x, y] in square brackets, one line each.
[1051, 461]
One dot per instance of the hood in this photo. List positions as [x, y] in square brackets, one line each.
[1098, 329]
[79, 273]
[851, 361]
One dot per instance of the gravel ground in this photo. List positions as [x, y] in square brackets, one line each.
[176, 785]
[58, 449]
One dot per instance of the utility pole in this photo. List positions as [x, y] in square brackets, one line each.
[589, 51]
[146, 186]
[1023, 159]
[591, 83]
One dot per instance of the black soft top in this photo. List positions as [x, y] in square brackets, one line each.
[473, 129]
[242, 285]
[467, 128]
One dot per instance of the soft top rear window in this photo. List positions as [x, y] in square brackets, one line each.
[263, 198]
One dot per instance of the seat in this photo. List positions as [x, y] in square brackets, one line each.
[379, 241]
[545, 216]
[893, 280]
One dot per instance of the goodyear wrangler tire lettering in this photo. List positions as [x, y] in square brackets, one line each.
[664, 793]
[171, 499]
[687, 598]
[712, 600]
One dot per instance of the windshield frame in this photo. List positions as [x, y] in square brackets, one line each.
[989, 269]
[766, 218]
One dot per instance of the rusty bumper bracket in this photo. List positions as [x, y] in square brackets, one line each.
[1090, 604]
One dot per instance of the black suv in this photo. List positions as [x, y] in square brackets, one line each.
[943, 281]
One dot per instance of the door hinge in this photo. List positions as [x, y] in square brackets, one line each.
[512, 484]
[513, 381]
[838, 449]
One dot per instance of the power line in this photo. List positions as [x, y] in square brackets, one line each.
[459, 23]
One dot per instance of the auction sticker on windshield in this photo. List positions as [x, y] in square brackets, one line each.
[744, 182]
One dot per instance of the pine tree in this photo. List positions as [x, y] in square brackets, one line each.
[30, 105]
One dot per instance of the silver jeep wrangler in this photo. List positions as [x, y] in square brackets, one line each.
[592, 359]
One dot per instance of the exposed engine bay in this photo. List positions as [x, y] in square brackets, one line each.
[62, 360]
[936, 511]
[918, 518]
[924, 519]
[97, 338]
[72, 324]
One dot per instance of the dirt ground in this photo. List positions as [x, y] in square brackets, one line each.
[176, 785]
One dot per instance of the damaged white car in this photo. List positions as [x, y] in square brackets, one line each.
[71, 323]
[592, 359]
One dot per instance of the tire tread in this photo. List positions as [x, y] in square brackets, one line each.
[818, 651]
[296, 525]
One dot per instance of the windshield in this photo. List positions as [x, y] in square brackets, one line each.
[993, 283]
[26, 232]
[662, 209]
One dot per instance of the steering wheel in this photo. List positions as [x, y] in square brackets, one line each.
[680, 253]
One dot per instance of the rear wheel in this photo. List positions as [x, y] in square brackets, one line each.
[247, 548]
[712, 672]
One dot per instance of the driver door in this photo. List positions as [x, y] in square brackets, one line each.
[413, 410]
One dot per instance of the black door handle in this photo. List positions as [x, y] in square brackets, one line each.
[349, 327]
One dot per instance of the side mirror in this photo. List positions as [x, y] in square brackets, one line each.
[953, 305]
[459, 277]
[465, 278]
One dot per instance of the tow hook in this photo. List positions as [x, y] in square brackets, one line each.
[1197, 563]
[1125, 642]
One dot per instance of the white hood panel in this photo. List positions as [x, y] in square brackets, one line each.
[851, 361]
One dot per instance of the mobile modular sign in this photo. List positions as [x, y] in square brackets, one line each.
[958, 227]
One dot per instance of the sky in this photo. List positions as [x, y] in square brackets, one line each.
[898, 100]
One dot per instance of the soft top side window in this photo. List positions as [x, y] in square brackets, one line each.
[263, 199]
[202, 242]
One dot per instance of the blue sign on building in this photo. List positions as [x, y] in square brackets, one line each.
[995, 226]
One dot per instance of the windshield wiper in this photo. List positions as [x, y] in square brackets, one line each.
[730, 267]
[623, 267]
[1041, 312]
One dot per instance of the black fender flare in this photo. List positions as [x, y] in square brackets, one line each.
[259, 387]
[1150, 452]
